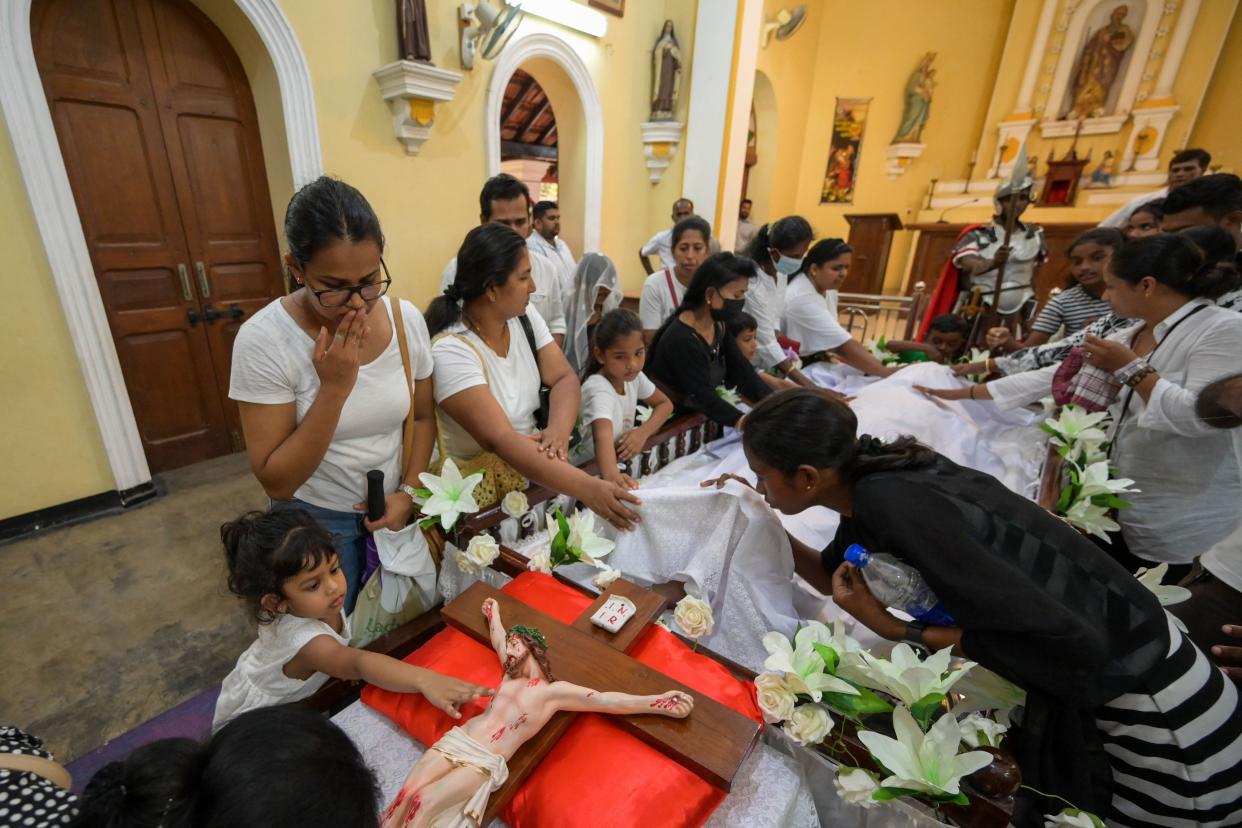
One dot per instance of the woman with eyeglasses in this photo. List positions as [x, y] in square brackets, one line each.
[319, 381]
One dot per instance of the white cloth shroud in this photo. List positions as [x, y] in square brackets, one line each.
[461, 749]
[406, 564]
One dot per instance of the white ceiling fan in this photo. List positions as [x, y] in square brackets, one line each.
[485, 30]
[787, 22]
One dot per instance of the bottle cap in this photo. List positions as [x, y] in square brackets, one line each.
[857, 555]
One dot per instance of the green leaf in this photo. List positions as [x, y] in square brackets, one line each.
[1110, 501]
[562, 525]
[427, 523]
[926, 708]
[883, 794]
[829, 655]
[423, 493]
[866, 702]
[1065, 501]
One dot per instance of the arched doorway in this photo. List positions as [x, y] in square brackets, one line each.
[159, 136]
[566, 83]
[761, 173]
[528, 136]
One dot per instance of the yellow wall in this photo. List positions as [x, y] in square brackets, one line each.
[869, 50]
[49, 443]
[48, 438]
[1219, 126]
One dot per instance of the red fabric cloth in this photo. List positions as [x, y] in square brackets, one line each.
[944, 294]
[597, 774]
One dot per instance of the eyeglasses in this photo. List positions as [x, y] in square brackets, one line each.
[337, 297]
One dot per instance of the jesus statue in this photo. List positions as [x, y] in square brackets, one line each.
[449, 786]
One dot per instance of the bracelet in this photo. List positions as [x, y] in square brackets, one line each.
[972, 391]
[987, 365]
[741, 422]
[409, 490]
[1138, 376]
[1128, 370]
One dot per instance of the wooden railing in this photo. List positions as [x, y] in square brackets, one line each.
[872, 315]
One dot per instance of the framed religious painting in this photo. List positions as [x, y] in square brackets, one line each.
[616, 7]
[849, 121]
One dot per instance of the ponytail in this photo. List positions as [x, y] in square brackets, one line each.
[760, 249]
[783, 234]
[824, 250]
[144, 790]
[487, 257]
[1219, 274]
[779, 427]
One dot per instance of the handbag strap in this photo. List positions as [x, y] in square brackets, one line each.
[530, 338]
[1125, 407]
[672, 291]
[486, 378]
[53, 772]
[407, 428]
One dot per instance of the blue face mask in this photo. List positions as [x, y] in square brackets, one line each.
[788, 265]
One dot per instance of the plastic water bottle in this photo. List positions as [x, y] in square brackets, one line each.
[899, 586]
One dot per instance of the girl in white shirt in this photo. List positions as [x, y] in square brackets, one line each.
[284, 566]
[319, 380]
[487, 376]
[613, 385]
[812, 322]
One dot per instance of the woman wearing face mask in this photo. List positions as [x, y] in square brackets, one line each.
[692, 354]
[597, 291]
[777, 251]
[811, 318]
[664, 290]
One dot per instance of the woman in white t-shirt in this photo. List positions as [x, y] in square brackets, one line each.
[487, 379]
[319, 381]
[664, 289]
[812, 321]
[611, 390]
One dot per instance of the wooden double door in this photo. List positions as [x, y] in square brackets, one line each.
[157, 127]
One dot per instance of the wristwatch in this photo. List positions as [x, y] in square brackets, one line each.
[914, 634]
[409, 490]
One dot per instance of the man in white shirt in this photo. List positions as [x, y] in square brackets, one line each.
[661, 244]
[1186, 166]
[746, 229]
[506, 200]
[546, 241]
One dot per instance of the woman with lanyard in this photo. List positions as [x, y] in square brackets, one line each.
[492, 353]
[1186, 472]
[596, 291]
[1124, 716]
[777, 252]
[692, 356]
[811, 313]
[323, 376]
[664, 289]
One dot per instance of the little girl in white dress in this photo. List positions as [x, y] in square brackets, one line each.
[284, 566]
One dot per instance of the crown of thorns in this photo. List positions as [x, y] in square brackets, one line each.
[529, 632]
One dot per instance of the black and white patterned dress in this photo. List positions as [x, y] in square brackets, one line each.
[27, 799]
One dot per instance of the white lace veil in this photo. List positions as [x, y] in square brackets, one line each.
[595, 273]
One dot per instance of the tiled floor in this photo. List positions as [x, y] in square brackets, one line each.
[111, 622]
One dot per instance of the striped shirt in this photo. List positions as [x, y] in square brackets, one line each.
[1073, 308]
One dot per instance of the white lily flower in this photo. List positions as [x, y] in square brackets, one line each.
[1096, 479]
[927, 762]
[1073, 818]
[1092, 519]
[978, 355]
[1076, 425]
[644, 413]
[904, 676]
[856, 786]
[803, 668]
[846, 648]
[583, 540]
[981, 689]
[1167, 593]
[981, 731]
[605, 576]
[729, 395]
[451, 494]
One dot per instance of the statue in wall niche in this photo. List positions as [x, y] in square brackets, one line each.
[413, 39]
[665, 75]
[918, 102]
[1098, 66]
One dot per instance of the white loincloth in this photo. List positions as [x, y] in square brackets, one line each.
[462, 751]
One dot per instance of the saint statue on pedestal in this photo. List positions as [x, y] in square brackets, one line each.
[413, 39]
[918, 102]
[665, 75]
[1098, 66]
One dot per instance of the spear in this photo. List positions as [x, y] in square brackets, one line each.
[1021, 170]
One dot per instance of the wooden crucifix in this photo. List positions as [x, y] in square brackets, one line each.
[703, 735]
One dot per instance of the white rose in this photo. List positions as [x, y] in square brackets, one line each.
[855, 786]
[479, 553]
[694, 617]
[605, 576]
[515, 504]
[809, 724]
[540, 560]
[1073, 818]
[981, 731]
[776, 700]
